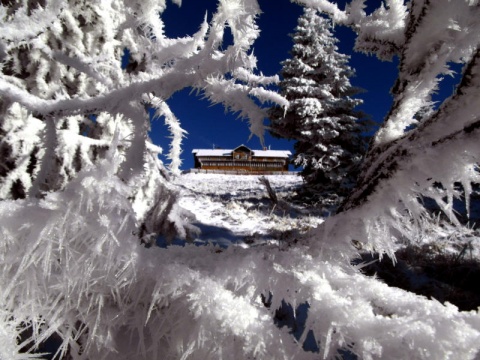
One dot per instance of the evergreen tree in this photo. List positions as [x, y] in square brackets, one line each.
[322, 116]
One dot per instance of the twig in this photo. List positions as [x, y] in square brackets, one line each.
[271, 193]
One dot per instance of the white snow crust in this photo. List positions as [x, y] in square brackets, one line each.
[234, 209]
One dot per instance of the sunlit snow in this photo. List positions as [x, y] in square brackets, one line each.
[235, 209]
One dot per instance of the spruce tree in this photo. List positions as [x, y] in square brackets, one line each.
[321, 117]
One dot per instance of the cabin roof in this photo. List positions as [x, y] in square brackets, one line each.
[211, 152]
[257, 153]
[242, 147]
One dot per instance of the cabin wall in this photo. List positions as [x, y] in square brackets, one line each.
[242, 155]
[243, 163]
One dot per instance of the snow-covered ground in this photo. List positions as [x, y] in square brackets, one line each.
[236, 208]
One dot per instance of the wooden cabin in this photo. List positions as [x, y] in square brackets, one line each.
[242, 160]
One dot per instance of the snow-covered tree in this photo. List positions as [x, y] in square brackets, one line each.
[72, 55]
[410, 155]
[321, 117]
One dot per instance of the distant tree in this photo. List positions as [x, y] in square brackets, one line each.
[321, 117]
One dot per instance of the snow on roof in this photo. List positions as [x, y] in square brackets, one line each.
[226, 152]
[272, 153]
[214, 152]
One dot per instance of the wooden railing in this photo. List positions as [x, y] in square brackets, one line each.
[238, 172]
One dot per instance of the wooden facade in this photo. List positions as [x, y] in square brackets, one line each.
[242, 159]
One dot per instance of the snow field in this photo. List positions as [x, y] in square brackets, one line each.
[236, 209]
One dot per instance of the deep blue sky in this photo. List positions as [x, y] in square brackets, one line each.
[210, 125]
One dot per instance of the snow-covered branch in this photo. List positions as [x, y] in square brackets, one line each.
[438, 137]
[411, 155]
[426, 37]
[177, 133]
[32, 19]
